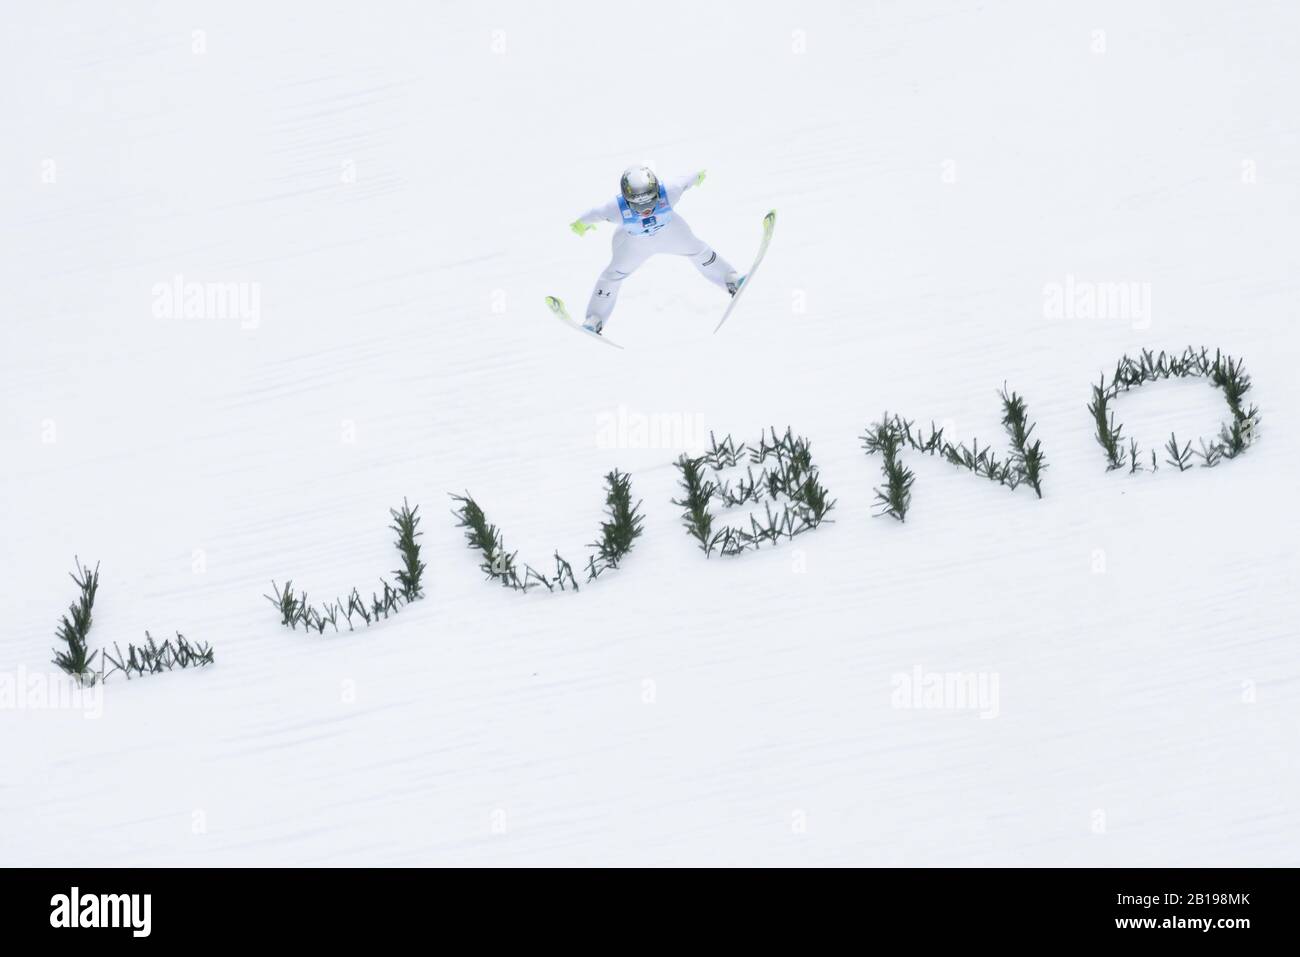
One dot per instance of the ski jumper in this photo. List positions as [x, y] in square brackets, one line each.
[638, 237]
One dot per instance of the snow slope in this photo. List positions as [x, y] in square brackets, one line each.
[396, 180]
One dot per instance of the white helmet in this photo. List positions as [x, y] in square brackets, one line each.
[640, 187]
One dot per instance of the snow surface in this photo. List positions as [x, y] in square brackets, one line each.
[396, 179]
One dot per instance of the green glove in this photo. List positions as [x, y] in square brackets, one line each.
[579, 227]
[699, 177]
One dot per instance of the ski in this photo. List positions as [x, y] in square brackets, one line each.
[769, 222]
[557, 306]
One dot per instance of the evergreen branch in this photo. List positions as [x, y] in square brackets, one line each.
[695, 502]
[406, 523]
[152, 658]
[1222, 371]
[1027, 459]
[895, 497]
[75, 658]
[1179, 459]
[620, 532]
[1108, 434]
[296, 609]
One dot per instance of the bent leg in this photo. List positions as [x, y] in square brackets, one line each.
[683, 242]
[627, 253]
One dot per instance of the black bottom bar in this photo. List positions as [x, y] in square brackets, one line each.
[333, 907]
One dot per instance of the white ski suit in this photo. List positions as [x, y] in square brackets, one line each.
[637, 238]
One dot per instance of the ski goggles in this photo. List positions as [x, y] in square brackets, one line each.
[645, 203]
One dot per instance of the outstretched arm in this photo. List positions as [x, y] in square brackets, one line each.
[607, 213]
[675, 187]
